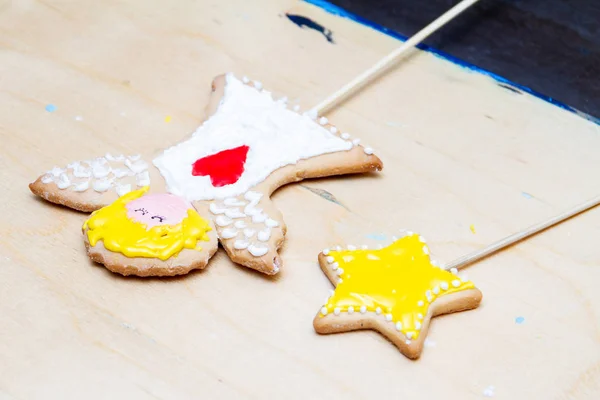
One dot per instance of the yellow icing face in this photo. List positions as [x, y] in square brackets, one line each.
[120, 233]
[399, 282]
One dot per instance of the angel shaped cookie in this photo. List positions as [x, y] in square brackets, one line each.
[226, 171]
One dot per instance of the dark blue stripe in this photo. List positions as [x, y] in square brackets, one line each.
[335, 10]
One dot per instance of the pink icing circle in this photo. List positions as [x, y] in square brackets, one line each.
[158, 209]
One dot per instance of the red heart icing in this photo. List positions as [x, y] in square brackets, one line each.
[224, 167]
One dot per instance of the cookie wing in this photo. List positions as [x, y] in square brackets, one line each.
[92, 184]
[250, 229]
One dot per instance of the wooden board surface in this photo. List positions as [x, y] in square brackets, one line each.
[458, 149]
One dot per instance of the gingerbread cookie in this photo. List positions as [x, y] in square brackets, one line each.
[249, 146]
[149, 235]
[394, 290]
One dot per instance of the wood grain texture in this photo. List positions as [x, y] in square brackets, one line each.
[458, 150]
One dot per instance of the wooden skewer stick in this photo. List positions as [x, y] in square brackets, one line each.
[517, 237]
[370, 74]
[367, 76]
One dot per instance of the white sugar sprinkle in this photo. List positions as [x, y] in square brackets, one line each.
[312, 114]
[489, 391]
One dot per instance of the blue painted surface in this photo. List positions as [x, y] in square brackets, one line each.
[526, 195]
[338, 11]
[376, 236]
[519, 320]
[50, 107]
[325, 195]
[303, 22]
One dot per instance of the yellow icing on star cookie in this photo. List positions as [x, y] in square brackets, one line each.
[399, 282]
[119, 233]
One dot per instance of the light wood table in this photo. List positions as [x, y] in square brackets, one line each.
[458, 149]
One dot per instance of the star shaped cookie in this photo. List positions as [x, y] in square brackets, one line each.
[395, 290]
[250, 145]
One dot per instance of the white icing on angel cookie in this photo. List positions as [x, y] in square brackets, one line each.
[274, 137]
[101, 174]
